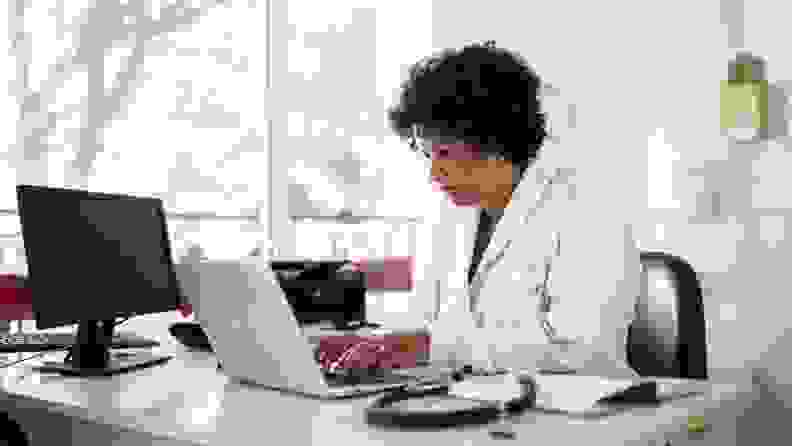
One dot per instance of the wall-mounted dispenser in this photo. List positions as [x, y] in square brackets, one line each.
[744, 98]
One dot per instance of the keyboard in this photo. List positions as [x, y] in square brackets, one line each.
[357, 379]
[39, 342]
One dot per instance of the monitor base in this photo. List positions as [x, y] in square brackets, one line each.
[116, 365]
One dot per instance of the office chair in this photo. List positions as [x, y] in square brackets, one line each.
[667, 338]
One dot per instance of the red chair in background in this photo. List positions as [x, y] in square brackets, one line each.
[16, 302]
[387, 274]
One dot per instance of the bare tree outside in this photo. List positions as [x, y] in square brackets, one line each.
[152, 97]
[94, 29]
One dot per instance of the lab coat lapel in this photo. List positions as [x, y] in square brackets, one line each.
[527, 199]
[453, 240]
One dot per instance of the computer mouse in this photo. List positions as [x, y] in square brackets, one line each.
[191, 335]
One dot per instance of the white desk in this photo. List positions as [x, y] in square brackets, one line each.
[188, 402]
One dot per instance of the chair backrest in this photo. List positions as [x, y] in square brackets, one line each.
[667, 338]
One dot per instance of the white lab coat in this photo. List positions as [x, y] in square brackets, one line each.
[595, 279]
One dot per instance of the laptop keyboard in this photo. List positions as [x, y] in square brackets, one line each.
[357, 379]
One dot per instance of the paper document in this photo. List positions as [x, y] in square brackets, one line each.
[498, 388]
[575, 394]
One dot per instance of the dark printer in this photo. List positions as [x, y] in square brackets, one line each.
[324, 292]
[319, 292]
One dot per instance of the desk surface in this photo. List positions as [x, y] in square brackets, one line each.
[189, 402]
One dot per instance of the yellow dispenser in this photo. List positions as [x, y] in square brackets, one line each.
[744, 99]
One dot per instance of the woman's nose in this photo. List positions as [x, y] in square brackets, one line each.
[439, 171]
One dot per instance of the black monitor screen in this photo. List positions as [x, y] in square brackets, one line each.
[95, 256]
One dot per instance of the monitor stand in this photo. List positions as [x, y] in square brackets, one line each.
[90, 354]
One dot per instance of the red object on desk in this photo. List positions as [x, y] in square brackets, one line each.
[389, 273]
[16, 301]
[185, 309]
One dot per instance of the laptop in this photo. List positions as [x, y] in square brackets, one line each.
[255, 334]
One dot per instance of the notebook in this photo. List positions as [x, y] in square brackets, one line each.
[571, 394]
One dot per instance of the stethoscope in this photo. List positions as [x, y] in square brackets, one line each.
[542, 289]
[546, 299]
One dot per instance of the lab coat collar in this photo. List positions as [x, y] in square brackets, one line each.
[528, 197]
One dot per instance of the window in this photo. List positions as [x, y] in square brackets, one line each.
[164, 99]
[347, 59]
[123, 97]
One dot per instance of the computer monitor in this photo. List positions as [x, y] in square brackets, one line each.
[94, 257]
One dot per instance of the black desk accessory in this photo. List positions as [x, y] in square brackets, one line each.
[191, 335]
[642, 393]
[431, 406]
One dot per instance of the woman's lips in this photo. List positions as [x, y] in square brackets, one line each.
[457, 196]
[461, 198]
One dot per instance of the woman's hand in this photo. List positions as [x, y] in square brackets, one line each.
[357, 353]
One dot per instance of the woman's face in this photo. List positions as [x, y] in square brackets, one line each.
[468, 177]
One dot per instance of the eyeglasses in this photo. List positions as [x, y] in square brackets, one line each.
[421, 145]
[417, 143]
[418, 148]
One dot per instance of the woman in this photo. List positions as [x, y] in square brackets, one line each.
[524, 301]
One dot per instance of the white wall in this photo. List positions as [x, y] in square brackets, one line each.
[646, 79]
[767, 182]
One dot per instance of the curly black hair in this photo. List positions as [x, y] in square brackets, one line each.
[480, 94]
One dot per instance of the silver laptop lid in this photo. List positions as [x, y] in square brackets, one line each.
[251, 325]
